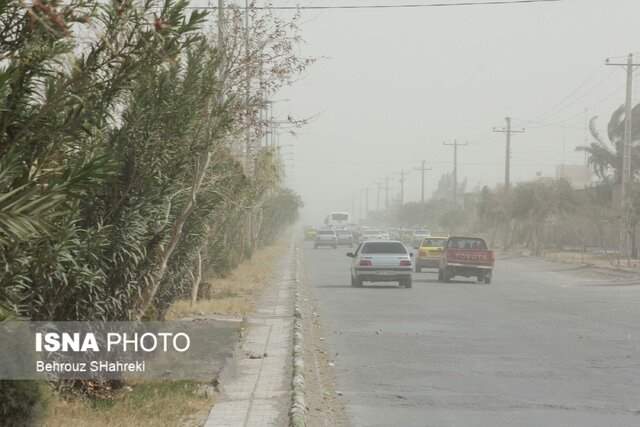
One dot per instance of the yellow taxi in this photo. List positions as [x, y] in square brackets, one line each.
[429, 252]
[310, 233]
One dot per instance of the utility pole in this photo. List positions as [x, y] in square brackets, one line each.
[379, 188]
[422, 170]
[455, 146]
[507, 162]
[250, 154]
[353, 204]
[366, 202]
[402, 180]
[386, 192]
[221, 46]
[626, 177]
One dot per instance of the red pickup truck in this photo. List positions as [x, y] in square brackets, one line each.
[467, 257]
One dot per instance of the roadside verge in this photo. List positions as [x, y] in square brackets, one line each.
[255, 388]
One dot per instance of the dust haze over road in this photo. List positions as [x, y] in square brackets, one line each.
[396, 89]
[392, 85]
[545, 344]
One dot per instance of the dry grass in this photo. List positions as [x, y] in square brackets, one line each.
[173, 403]
[151, 404]
[599, 260]
[235, 294]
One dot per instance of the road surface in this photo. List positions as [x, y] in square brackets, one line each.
[545, 344]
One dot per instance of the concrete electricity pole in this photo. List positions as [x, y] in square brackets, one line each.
[626, 177]
[403, 178]
[250, 152]
[455, 146]
[626, 152]
[366, 202]
[422, 170]
[221, 45]
[353, 204]
[379, 186]
[386, 192]
[507, 162]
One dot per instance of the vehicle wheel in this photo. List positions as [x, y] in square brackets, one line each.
[408, 283]
[315, 246]
[335, 247]
[487, 280]
[418, 269]
[440, 276]
[447, 275]
[355, 282]
[480, 279]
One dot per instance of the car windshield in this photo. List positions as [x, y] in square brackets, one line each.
[384, 248]
[434, 243]
[465, 243]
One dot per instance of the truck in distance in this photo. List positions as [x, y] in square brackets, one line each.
[467, 257]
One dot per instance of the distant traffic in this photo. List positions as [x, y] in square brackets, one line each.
[392, 254]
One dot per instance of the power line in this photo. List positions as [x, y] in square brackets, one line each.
[393, 6]
[574, 96]
[562, 122]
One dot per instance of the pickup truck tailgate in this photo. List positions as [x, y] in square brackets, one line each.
[470, 257]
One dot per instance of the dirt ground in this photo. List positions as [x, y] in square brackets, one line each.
[170, 403]
[325, 408]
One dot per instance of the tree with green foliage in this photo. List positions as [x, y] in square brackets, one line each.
[119, 174]
[605, 157]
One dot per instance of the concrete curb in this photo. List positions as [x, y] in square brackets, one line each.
[298, 411]
[582, 264]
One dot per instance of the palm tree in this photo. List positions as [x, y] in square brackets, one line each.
[605, 157]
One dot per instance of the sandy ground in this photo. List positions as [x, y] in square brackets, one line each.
[325, 408]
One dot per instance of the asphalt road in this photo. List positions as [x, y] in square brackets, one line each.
[544, 345]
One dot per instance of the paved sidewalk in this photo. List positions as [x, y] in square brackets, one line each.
[255, 391]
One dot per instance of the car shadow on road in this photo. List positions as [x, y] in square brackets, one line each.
[434, 280]
[354, 287]
[452, 282]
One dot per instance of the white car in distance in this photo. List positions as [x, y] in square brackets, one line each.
[381, 261]
[326, 238]
[372, 234]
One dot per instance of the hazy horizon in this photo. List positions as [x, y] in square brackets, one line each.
[391, 85]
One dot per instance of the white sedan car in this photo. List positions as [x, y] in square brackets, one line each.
[381, 261]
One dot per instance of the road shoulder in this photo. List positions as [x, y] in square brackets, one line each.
[324, 402]
[255, 387]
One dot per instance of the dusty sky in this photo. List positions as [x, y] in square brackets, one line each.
[392, 85]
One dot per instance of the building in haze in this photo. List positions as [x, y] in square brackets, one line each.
[579, 176]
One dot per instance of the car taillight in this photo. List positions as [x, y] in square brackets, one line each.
[405, 263]
[365, 263]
